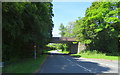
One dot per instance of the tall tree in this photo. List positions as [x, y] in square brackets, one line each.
[62, 30]
[25, 25]
[100, 28]
[69, 28]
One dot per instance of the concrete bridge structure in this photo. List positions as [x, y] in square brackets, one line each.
[74, 48]
[62, 40]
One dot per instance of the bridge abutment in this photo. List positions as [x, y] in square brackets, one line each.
[76, 48]
[81, 47]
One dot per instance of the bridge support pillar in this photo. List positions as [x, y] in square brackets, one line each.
[73, 48]
[78, 48]
[81, 47]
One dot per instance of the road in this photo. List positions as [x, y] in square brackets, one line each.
[58, 63]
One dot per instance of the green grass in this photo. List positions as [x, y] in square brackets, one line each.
[47, 51]
[96, 55]
[27, 66]
[64, 52]
[51, 51]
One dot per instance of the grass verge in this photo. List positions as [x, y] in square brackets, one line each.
[27, 66]
[96, 55]
[48, 51]
[64, 52]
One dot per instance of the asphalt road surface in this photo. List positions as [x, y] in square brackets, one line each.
[58, 63]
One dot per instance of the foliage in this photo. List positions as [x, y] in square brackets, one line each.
[64, 52]
[25, 24]
[66, 31]
[24, 66]
[95, 54]
[74, 42]
[60, 46]
[55, 46]
[62, 29]
[100, 28]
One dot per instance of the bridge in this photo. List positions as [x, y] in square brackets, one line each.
[62, 39]
[74, 48]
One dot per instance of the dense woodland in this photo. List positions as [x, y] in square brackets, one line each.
[25, 25]
[99, 29]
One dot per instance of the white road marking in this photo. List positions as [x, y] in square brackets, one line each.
[84, 68]
[100, 63]
[81, 66]
[69, 60]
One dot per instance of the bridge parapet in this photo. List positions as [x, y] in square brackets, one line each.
[62, 39]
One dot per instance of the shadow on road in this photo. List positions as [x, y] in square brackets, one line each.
[63, 63]
[93, 67]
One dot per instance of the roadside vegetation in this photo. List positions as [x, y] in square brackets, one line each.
[99, 30]
[47, 51]
[64, 52]
[27, 29]
[95, 54]
[30, 65]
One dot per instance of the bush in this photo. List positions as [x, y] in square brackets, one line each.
[91, 52]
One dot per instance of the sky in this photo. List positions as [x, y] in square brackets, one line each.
[65, 12]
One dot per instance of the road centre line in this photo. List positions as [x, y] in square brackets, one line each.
[92, 61]
[81, 66]
[69, 60]
[84, 68]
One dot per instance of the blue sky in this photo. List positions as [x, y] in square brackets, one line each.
[65, 12]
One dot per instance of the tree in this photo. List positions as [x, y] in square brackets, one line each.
[103, 26]
[62, 30]
[100, 28]
[69, 28]
[25, 25]
[67, 31]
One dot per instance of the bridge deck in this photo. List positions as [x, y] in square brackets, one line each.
[62, 39]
